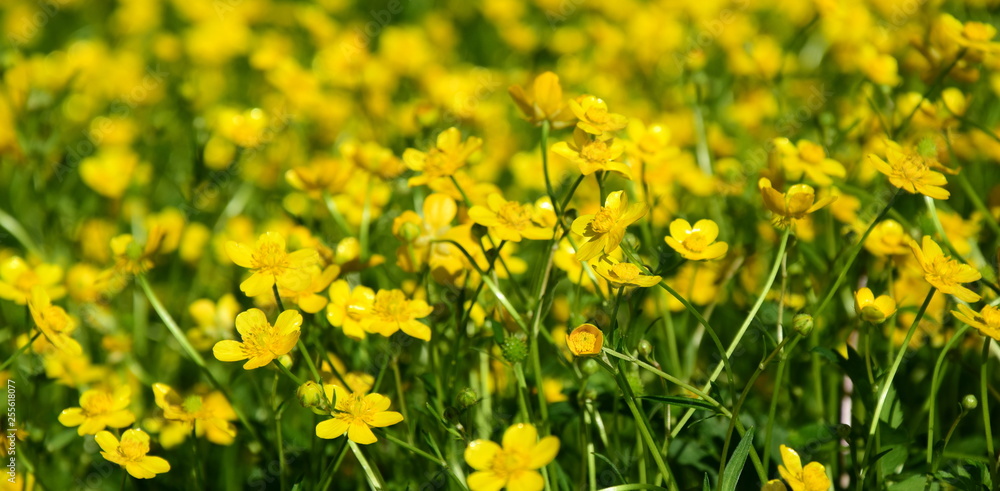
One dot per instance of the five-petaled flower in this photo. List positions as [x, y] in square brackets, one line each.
[593, 154]
[447, 157]
[270, 263]
[392, 311]
[262, 342]
[799, 201]
[698, 242]
[595, 118]
[912, 172]
[622, 274]
[131, 453]
[987, 320]
[356, 413]
[812, 477]
[943, 272]
[871, 309]
[100, 408]
[509, 220]
[603, 232]
[515, 464]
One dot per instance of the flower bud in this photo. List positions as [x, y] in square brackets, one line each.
[589, 366]
[645, 348]
[467, 397]
[969, 402]
[514, 349]
[803, 324]
[310, 395]
[409, 231]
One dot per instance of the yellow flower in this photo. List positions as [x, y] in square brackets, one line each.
[211, 414]
[624, 273]
[270, 264]
[603, 232]
[943, 272]
[812, 477]
[131, 452]
[109, 171]
[987, 321]
[911, 172]
[515, 464]
[871, 309]
[322, 174]
[888, 239]
[585, 340]
[799, 201]
[373, 158]
[392, 311]
[262, 342]
[100, 408]
[774, 485]
[974, 36]
[308, 299]
[356, 414]
[509, 220]
[54, 323]
[17, 279]
[213, 320]
[698, 242]
[347, 307]
[545, 103]
[131, 258]
[809, 159]
[593, 154]
[553, 391]
[595, 118]
[447, 157]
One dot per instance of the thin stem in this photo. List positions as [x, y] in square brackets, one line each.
[338, 217]
[465, 198]
[670, 378]
[935, 385]
[374, 480]
[887, 383]
[421, 453]
[20, 350]
[545, 167]
[985, 398]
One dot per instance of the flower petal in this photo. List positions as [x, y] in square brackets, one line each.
[480, 453]
[331, 428]
[521, 436]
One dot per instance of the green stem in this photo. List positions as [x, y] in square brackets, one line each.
[20, 350]
[887, 383]
[366, 218]
[935, 385]
[670, 378]
[985, 399]
[779, 378]
[855, 250]
[545, 167]
[374, 479]
[421, 453]
[465, 198]
[338, 218]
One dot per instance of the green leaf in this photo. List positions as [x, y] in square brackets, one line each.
[682, 402]
[706, 486]
[629, 487]
[731, 475]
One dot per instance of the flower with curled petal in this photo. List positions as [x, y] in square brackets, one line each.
[603, 232]
[943, 272]
[595, 118]
[812, 477]
[447, 157]
[871, 309]
[513, 465]
[987, 320]
[912, 172]
[270, 264]
[262, 342]
[544, 103]
[799, 201]
[593, 154]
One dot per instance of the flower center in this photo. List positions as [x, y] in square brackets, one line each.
[812, 153]
[355, 409]
[625, 271]
[269, 258]
[514, 215]
[133, 449]
[391, 306]
[976, 31]
[912, 168]
[603, 221]
[583, 342]
[942, 271]
[507, 462]
[98, 403]
[697, 241]
[596, 151]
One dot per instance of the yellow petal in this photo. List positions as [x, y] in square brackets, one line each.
[229, 350]
[386, 418]
[521, 436]
[791, 460]
[480, 453]
[107, 441]
[257, 284]
[545, 451]
[525, 481]
[485, 481]
[361, 433]
[239, 254]
[331, 428]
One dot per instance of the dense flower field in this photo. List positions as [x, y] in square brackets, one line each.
[500, 244]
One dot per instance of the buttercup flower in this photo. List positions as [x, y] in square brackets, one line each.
[18, 279]
[545, 103]
[888, 239]
[262, 342]
[603, 232]
[210, 414]
[270, 264]
[912, 172]
[392, 312]
[509, 220]
[515, 464]
[585, 340]
[943, 272]
[595, 118]
[624, 273]
[130, 453]
[799, 201]
[53, 322]
[809, 159]
[592, 155]
[698, 242]
[356, 414]
[871, 309]
[812, 477]
[448, 155]
[348, 307]
[100, 408]
[987, 320]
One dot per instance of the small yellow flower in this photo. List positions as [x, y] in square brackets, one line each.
[808, 159]
[812, 477]
[132, 258]
[270, 264]
[545, 103]
[213, 320]
[987, 321]
[888, 238]
[356, 414]
[322, 174]
[975, 36]
[54, 323]
[447, 157]
[871, 309]
[100, 408]
[210, 414]
[348, 307]
[624, 273]
[18, 279]
[799, 201]
[585, 340]
[515, 464]
[912, 172]
[698, 242]
[603, 231]
[131, 452]
[595, 118]
[262, 342]
[392, 311]
[509, 220]
[943, 272]
[593, 154]
[308, 299]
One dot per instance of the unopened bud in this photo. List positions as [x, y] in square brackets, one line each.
[467, 397]
[310, 395]
[970, 402]
[645, 348]
[589, 366]
[514, 349]
[409, 231]
[803, 324]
